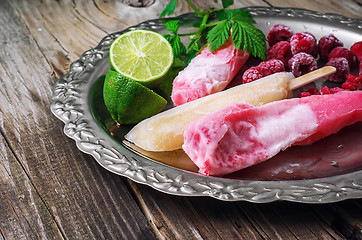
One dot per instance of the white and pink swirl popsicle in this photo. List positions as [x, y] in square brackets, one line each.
[240, 135]
[208, 73]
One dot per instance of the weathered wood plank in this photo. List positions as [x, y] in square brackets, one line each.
[194, 218]
[347, 218]
[300, 221]
[204, 218]
[85, 200]
[24, 215]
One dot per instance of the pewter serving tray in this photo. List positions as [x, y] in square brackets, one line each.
[78, 102]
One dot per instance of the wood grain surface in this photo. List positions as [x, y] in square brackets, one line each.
[51, 190]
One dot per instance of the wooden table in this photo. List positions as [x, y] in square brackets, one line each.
[51, 190]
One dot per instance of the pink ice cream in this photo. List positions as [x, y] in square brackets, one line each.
[241, 135]
[207, 73]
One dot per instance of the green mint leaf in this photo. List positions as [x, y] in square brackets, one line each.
[193, 43]
[227, 3]
[172, 26]
[191, 54]
[170, 9]
[241, 15]
[222, 15]
[178, 47]
[168, 37]
[218, 35]
[193, 48]
[247, 37]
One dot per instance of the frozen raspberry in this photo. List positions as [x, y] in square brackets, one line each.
[342, 52]
[304, 94]
[325, 90]
[337, 90]
[302, 63]
[352, 82]
[271, 66]
[277, 33]
[263, 69]
[252, 74]
[304, 42]
[313, 91]
[326, 44]
[309, 92]
[341, 64]
[281, 51]
[349, 86]
[356, 49]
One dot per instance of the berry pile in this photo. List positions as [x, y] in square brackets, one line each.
[326, 45]
[300, 53]
[324, 90]
[353, 83]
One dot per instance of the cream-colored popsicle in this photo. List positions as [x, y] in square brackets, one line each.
[164, 131]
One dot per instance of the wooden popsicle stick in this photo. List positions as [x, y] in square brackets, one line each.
[310, 77]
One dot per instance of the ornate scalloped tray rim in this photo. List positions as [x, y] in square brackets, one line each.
[71, 105]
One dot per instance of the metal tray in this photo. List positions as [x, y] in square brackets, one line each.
[78, 102]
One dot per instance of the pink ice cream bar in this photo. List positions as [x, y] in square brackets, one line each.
[207, 73]
[241, 135]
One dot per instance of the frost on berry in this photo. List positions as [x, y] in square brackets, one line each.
[263, 69]
[251, 74]
[277, 33]
[304, 42]
[281, 51]
[302, 63]
[342, 52]
[271, 66]
[326, 44]
[342, 66]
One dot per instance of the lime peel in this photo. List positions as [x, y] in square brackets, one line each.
[128, 101]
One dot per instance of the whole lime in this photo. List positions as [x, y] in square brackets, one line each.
[128, 101]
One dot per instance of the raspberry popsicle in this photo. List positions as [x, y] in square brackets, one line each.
[207, 73]
[164, 131]
[241, 135]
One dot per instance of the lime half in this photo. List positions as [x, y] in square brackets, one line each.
[142, 55]
[128, 101]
